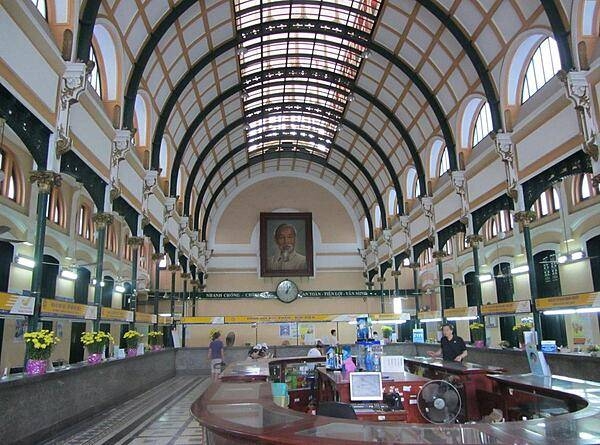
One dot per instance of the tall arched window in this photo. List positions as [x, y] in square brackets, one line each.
[128, 250]
[11, 185]
[110, 243]
[412, 183]
[547, 204]
[41, 7]
[164, 156]
[544, 64]
[367, 232]
[444, 164]
[84, 222]
[473, 289]
[503, 221]
[583, 188]
[141, 115]
[377, 213]
[392, 203]
[505, 292]
[483, 124]
[448, 293]
[448, 247]
[548, 284]
[426, 257]
[55, 210]
[95, 78]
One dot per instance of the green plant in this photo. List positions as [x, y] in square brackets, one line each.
[520, 328]
[95, 342]
[476, 331]
[593, 348]
[40, 344]
[387, 331]
[132, 338]
[155, 338]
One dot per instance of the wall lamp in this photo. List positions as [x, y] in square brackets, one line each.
[570, 258]
[94, 283]
[25, 262]
[119, 288]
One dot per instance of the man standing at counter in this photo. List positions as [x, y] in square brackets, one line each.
[453, 347]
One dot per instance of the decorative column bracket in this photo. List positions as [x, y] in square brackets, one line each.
[505, 148]
[148, 187]
[169, 208]
[525, 218]
[73, 83]
[46, 180]
[102, 219]
[135, 241]
[459, 181]
[184, 227]
[427, 206]
[474, 240]
[121, 145]
[578, 91]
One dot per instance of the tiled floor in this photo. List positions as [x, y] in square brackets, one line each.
[159, 417]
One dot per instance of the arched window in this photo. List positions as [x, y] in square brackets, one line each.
[11, 185]
[544, 64]
[107, 63]
[584, 188]
[95, 79]
[110, 243]
[444, 164]
[377, 213]
[411, 183]
[367, 232]
[438, 152]
[164, 155]
[448, 247]
[503, 221]
[55, 210]
[41, 7]
[392, 203]
[84, 222]
[128, 250]
[547, 204]
[461, 241]
[426, 257]
[483, 124]
[141, 115]
[505, 291]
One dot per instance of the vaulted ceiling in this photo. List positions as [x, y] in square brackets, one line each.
[351, 91]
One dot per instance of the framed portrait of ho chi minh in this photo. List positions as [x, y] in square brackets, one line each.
[286, 245]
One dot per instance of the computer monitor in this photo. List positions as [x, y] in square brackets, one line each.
[366, 386]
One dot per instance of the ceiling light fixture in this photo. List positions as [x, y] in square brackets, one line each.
[68, 274]
[27, 263]
[119, 288]
[520, 269]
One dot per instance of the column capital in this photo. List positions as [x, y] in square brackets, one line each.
[195, 283]
[102, 219]
[186, 275]
[439, 254]
[157, 256]
[121, 145]
[150, 180]
[174, 267]
[73, 83]
[396, 273]
[474, 240]
[135, 241]
[526, 217]
[46, 180]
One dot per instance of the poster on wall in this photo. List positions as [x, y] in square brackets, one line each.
[20, 329]
[306, 331]
[581, 329]
[288, 330]
[286, 245]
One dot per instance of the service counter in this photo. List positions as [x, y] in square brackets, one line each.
[244, 412]
[33, 408]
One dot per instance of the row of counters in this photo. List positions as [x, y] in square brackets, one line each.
[37, 407]
[239, 408]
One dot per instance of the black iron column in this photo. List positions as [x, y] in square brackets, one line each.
[439, 257]
[185, 276]
[173, 268]
[474, 241]
[524, 219]
[156, 257]
[135, 242]
[46, 181]
[101, 221]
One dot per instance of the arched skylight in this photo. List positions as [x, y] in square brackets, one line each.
[142, 120]
[298, 104]
[367, 232]
[444, 164]
[377, 217]
[483, 124]
[412, 184]
[164, 156]
[544, 64]
[392, 202]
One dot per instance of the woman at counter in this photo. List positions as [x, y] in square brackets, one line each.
[453, 347]
[215, 354]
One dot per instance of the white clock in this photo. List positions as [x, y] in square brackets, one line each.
[287, 291]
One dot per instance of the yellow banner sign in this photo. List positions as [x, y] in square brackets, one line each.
[164, 320]
[429, 315]
[16, 304]
[590, 299]
[142, 317]
[111, 314]
[512, 307]
[54, 308]
[243, 319]
[470, 311]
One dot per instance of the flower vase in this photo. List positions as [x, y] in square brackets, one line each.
[156, 347]
[131, 352]
[35, 367]
[95, 358]
[479, 344]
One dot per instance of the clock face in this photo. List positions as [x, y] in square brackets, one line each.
[287, 291]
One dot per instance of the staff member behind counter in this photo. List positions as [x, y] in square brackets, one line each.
[453, 347]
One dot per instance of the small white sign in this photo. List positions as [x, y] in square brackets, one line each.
[392, 363]
[23, 305]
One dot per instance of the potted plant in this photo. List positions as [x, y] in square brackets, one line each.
[155, 340]
[39, 345]
[132, 339]
[593, 350]
[520, 328]
[477, 333]
[387, 331]
[96, 343]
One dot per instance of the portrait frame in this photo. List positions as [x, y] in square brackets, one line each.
[302, 222]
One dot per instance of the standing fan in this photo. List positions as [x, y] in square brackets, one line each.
[439, 402]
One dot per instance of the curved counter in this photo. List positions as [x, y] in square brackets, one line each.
[243, 412]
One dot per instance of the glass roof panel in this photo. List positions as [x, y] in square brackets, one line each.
[298, 82]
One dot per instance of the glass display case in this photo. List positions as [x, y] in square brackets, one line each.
[299, 377]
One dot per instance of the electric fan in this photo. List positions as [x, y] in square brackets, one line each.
[439, 402]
